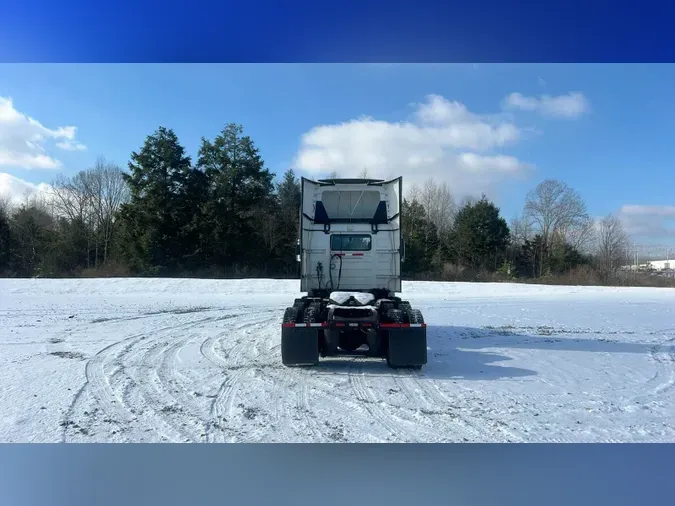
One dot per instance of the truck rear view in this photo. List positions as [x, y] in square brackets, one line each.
[350, 251]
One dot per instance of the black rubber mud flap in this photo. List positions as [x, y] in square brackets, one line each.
[407, 347]
[299, 346]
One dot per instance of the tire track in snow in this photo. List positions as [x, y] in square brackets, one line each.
[430, 410]
[390, 422]
[162, 367]
[156, 405]
[98, 384]
[236, 365]
[303, 407]
[463, 419]
[664, 360]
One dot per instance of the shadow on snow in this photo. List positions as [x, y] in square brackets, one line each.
[462, 352]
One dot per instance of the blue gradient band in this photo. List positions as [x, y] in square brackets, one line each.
[504, 475]
[347, 31]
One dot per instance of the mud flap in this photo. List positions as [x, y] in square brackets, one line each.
[299, 346]
[407, 347]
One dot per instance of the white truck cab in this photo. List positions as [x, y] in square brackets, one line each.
[350, 250]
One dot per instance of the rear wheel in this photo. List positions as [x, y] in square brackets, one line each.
[291, 315]
[312, 314]
[405, 306]
[415, 316]
[396, 316]
[385, 306]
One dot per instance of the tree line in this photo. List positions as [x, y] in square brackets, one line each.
[221, 214]
[554, 238]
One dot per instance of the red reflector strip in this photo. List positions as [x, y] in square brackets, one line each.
[287, 325]
[366, 324]
[357, 254]
[339, 324]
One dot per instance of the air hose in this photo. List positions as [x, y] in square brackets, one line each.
[330, 272]
[319, 273]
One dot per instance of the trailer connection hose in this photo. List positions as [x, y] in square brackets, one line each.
[319, 273]
[330, 272]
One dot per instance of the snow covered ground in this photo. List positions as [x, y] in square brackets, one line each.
[147, 360]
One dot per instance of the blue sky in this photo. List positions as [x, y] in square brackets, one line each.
[606, 130]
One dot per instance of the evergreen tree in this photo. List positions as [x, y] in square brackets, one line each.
[288, 192]
[481, 235]
[237, 183]
[5, 241]
[33, 236]
[160, 207]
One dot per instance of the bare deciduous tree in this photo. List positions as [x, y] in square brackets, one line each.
[557, 211]
[438, 204]
[414, 193]
[6, 205]
[94, 197]
[613, 244]
[108, 192]
[554, 207]
[521, 230]
[581, 235]
[70, 197]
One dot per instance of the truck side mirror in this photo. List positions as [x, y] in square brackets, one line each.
[297, 251]
[402, 248]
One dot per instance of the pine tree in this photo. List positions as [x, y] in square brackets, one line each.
[5, 240]
[288, 192]
[160, 208]
[481, 235]
[237, 182]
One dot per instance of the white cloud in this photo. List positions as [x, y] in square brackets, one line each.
[71, 146]
[23, 140]
[571, 105]
[17, 190]
[649, 222]
[443, 140]
[637, 210]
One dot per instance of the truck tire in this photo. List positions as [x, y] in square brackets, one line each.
[291, 315]
[415, 316]
[312, 314]
[395, 316]
[385, 307]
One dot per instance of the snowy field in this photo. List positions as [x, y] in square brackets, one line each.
[149, 360]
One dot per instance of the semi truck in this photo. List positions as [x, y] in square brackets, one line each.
[350, 249]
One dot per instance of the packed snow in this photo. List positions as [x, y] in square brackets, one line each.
[151, 360]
